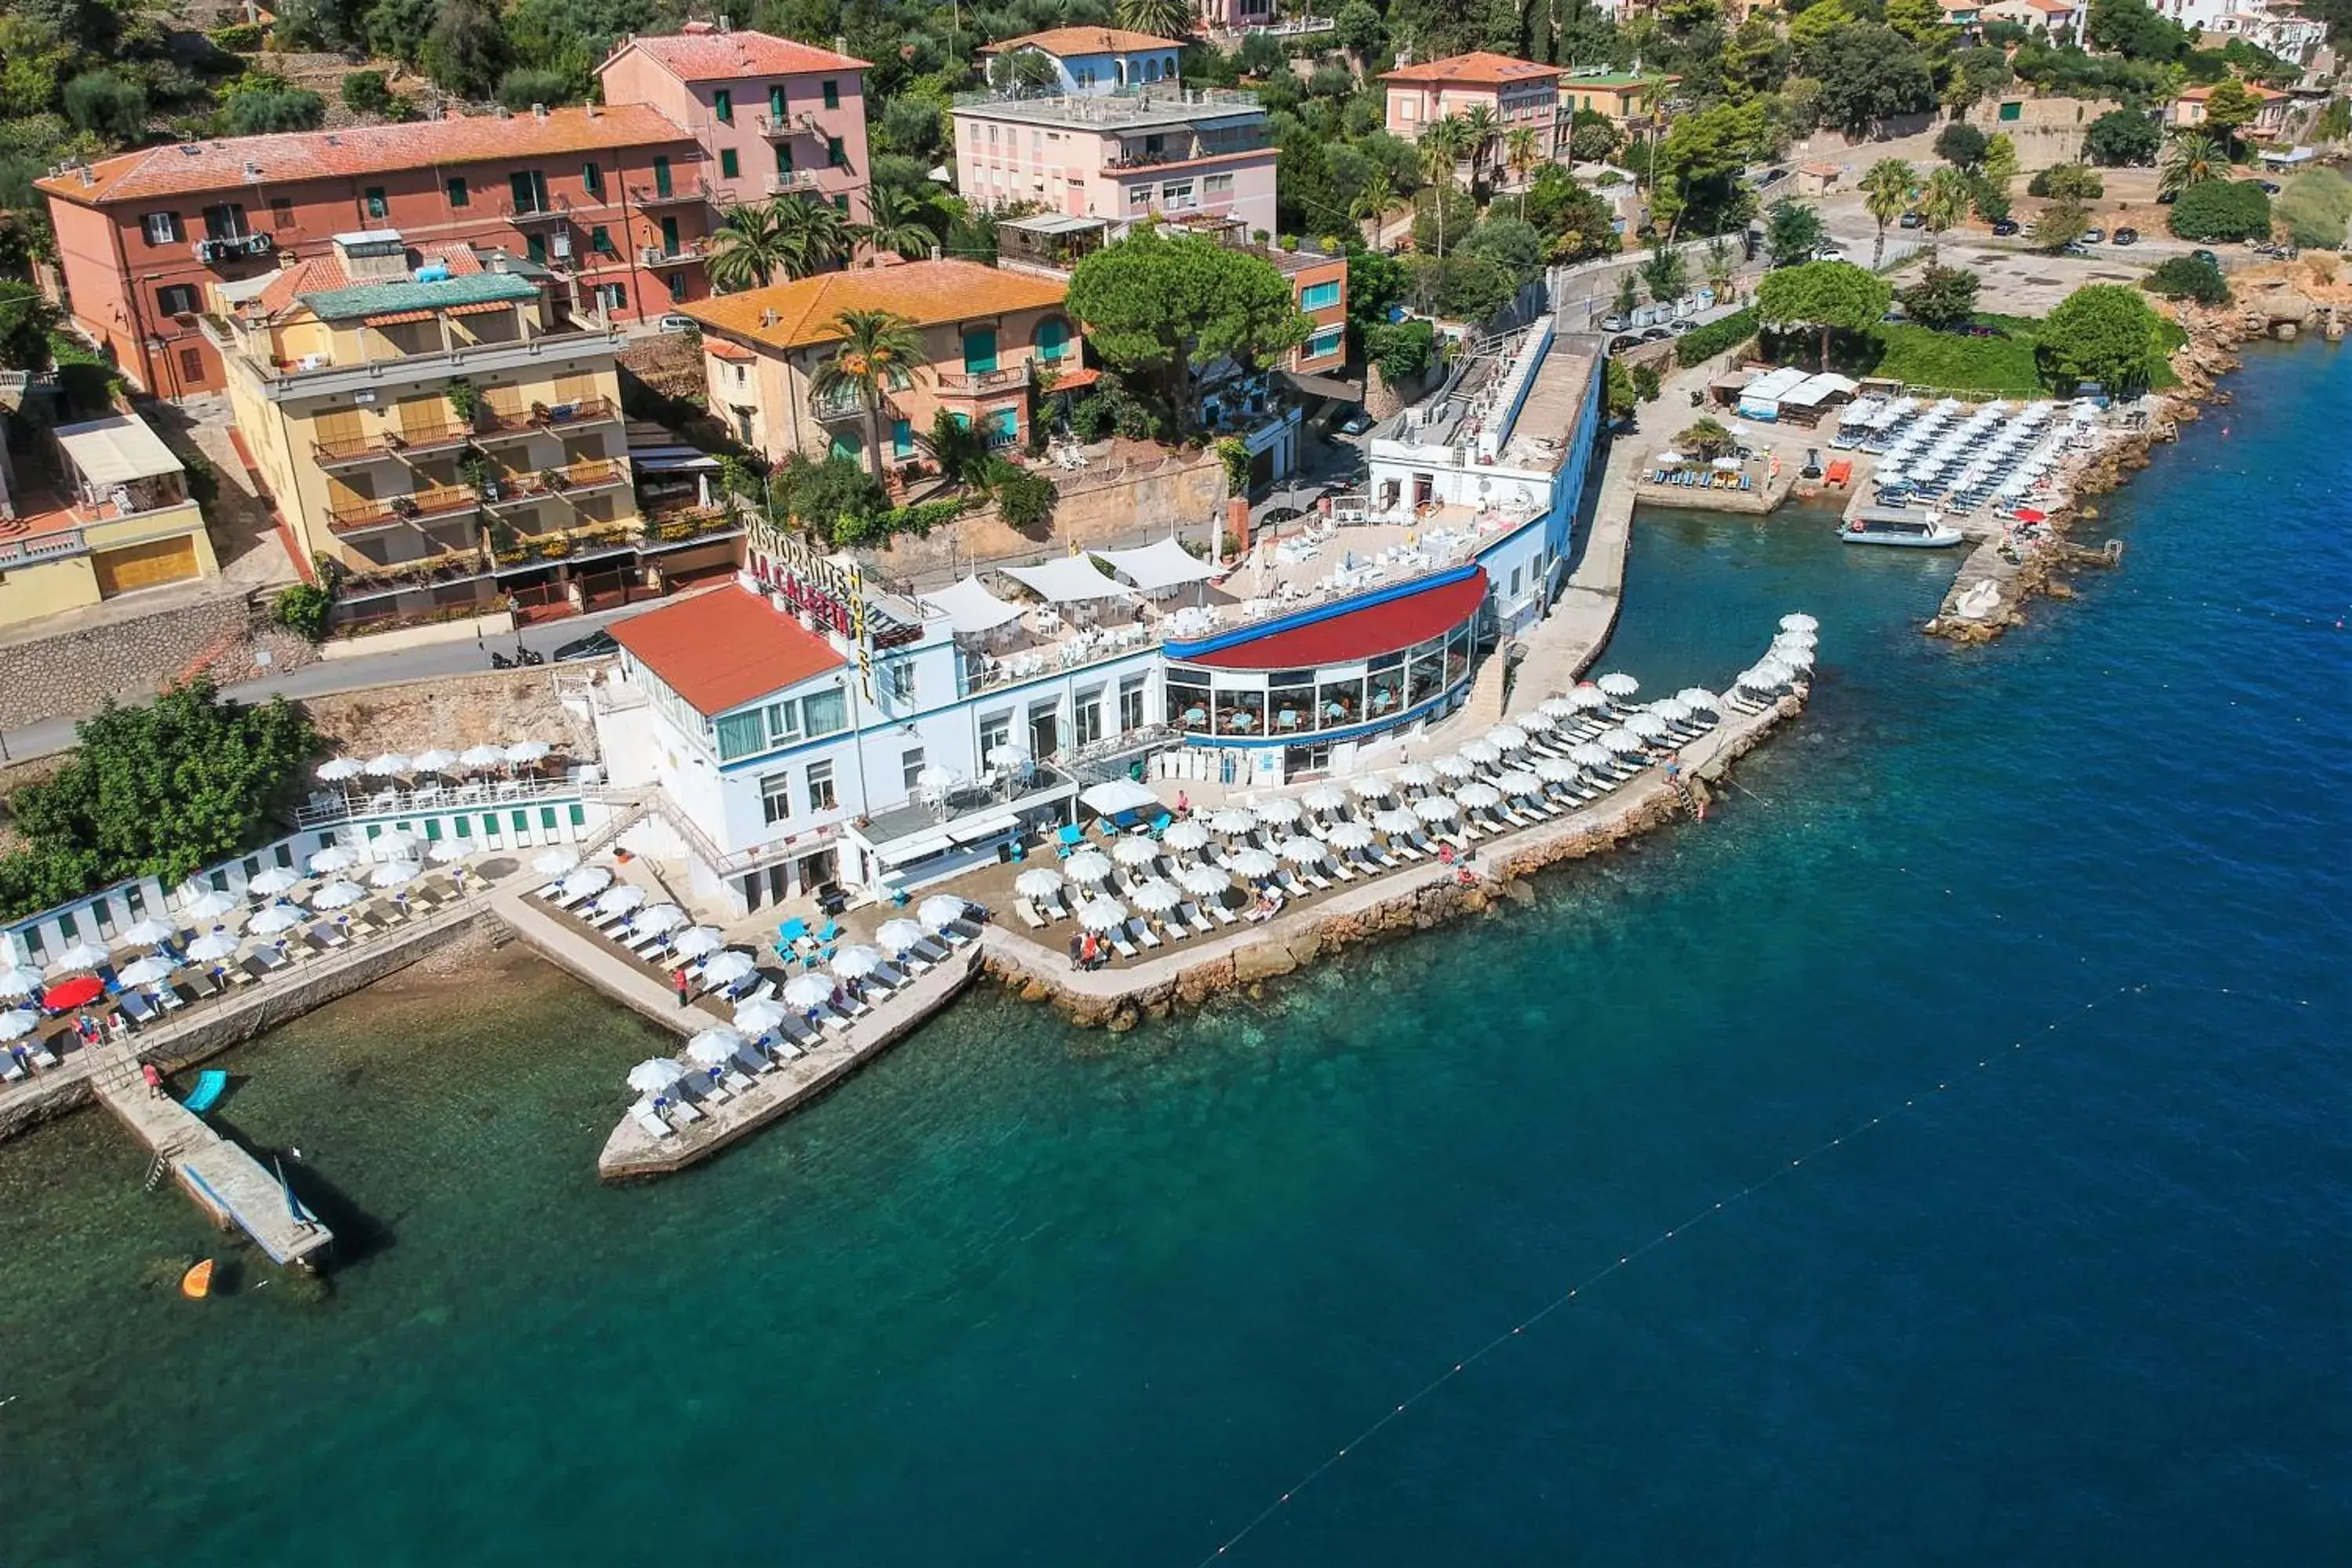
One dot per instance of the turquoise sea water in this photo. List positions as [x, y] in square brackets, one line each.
[1026, 1295]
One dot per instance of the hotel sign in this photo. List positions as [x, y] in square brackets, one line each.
[829, 594]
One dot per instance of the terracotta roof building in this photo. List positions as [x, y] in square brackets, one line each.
[722, 649]
[1518, 93]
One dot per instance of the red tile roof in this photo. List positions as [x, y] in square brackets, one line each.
[723, 57]
[720, 650]
[194, 168]
[1064, 42]
[1479, 69]
[1387, 626]
[929, 293]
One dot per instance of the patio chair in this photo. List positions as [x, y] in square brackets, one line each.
[1029, 916]
[1126, 949]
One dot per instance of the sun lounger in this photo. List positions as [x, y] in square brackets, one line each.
[644, 1114]
[1141, 928]
[41, 1054]
[1190, 913]
[650, 944]
[1288, 883]
[1029, 916]
[11, 1069]
[1223, 916]
[136, 1007]
[929, 952]
[1407, 848]
[1315, 879]
[683, 1110]
[739, 1082]
[1117, 939]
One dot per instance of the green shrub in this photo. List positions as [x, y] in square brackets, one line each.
[2068, 182]
[2189, 278]
[2315, 208]
[2222, 209]
[1705, 343]
[301, 609]
[522, 87]
[104, 104]
[366, 93]
[1023, 500]
[238, 37]
[285, 108]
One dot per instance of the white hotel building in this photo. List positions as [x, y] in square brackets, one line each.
[801, 729]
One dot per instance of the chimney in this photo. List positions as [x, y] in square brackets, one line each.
[252, 170]
[87, 179]
[498, 261]
[726, 25]
[591, 109]
[841, 43]
[539, 111]
[768, 317]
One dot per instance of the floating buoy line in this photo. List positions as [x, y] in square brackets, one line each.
[1627, 1259]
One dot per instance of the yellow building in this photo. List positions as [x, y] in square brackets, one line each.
[119, 520]
[429, 422]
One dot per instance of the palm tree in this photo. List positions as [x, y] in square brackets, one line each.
[1945, 202]
[1721, 268]
[1374, 201]
[1519, 152]
[957, 447]
[2191, 161]
[750, 248]
[1160, 18]
[878, 355]
[1479, 129]
[815, 234]
[1886, 192]
[1442, 144]
[895, 221]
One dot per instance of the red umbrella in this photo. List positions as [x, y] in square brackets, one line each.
[74, 993]
[2027, 514]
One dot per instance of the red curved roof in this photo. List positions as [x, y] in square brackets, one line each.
[1385, 628]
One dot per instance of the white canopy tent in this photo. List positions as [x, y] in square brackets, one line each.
[1114, 795]
[1068, 580]
[970, 608]
[1164, 563]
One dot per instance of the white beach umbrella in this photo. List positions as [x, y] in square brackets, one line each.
[897, 937]
[335, 895]
[1798, 659]
[1590, 754]
[1454, 765]
[439, 760]
[324, 863]
[1233, 819]
[1007, 756]
[1506, 738]
[1700, 699]
[1091, 867]
[1671, 710]
[727, 968]
[1279, 811]
[586, 880]
[284, 917]
[760, 1014]
[338, 770]
[1102, 914]
[397, 844]
[1348, 835]
[655, 1076]
[1252, 863]
[1397, 819]
[1325, 798]
[1558, 708]
[1477, 796]
[1621, 741]
[1795, 639]
[1536, 720]
[699, 942]
[1618, 684]
[1188, 837]
[15, 983]
[448, 851]
[858, 961]
[477, 759]
[18, 1022]
[1371, 786]
[806, 991]
[936, 780]
[659, 918]
[940, 910]
[1800, 622]
[715, 1046]
[557, 862]
[1158, 896]
[1588, 699]
[1416, 775]
[395, 873]
[1301, 851]
[1204, 882]
[1435, 808]
[146, 970]
[1648, 726]
[81, 955]
[1038, 882]
[1519, 781]
[270, 884]
[523, 753]
[1558, 770]
[389, 765]
[619, 900]
[1770, 676]
[212, 947]
[1135, 850]
[1485, 753]
[150, 931]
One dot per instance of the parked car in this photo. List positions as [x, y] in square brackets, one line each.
[675, 324]
[2004, 226]
[2208, 257]
[2126, 236]
[1912, 220]
[2094, 234]
[1356, 423]
[596, 645]
[1678, 326]
[1770, 175]
[1656, 335]
[2166, 198]
[2270, 187]
[1618, 345]
[1613, 324]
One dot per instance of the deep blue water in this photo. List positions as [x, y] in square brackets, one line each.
[2049, 936]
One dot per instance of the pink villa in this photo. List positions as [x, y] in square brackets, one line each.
[1515, 92]
[1121, 139]
[775, 117]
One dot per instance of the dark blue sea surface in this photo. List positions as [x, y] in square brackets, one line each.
[1969, 1096]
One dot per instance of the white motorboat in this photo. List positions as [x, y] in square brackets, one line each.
[1899, 526]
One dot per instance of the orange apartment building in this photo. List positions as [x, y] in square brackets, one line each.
[609, 200]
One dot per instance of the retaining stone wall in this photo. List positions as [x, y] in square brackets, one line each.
[71, 675]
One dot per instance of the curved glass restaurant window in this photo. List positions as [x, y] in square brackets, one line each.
[1338, 703]
[1384, 685]
[1188, 698]
[1241, 712]
[1427, 669]
[1290, 699]
[1457, 653]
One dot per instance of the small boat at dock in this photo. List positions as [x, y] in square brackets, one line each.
[197, 1282]
[1898, 526]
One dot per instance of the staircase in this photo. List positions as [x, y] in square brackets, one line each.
[636, 812]
[1488, 692]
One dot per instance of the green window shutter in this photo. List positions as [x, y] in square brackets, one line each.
[833, 95]
[661, 176]
[547, 817]
[722, 104]
[979, 350]
[579, 814]
[729, 165]
[776, 104]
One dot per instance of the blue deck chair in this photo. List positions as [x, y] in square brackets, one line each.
[1068, 839]
[1160, 824]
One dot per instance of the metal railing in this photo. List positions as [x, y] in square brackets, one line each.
[432, 501]
[974, 383]
[489, 794]
[694, 189]
[53, 546]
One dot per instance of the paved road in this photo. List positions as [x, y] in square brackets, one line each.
[331, 675]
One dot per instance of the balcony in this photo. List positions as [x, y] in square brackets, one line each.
[786, 181]
[841, 407]
[981, 382]
[528, 215]
[426, 438]
[679, 193]
[213, 250]
[588, 475]
[688, 252]
[416, 507]
[495, 429]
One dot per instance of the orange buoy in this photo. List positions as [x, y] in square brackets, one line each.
[197, 1282]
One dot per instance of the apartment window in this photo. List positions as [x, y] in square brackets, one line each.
[1217, 188]
[833, 95]
[375, 202]
[661, 176]
[281, 213]
[535, 247]
[995, 733]
[591, 180]
[821, 795]
[600, 239]
[1053, 339]
[910, 766]
[730, 164]
[1003, 426]
[978, 351]
[613, 298]
[1320, 296]
[776, 103]
[669, 233]
[740, 735]
[1086, 717]
[676, 284]
[1131, 703]
[902, 680]
[162, 228]
[1139, 198]
[742, 374]
[743, 425]
[191, 365]
[224, 220]
[824, 712]
[836, 153]
[455, 189]
[722, 104]
[176, 300]
[776, 797]
[902, 436]
[841, 203]
[784, 157]
[1326, 342]
[1177, 195]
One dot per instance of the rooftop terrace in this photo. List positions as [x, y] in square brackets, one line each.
[1126, 109]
